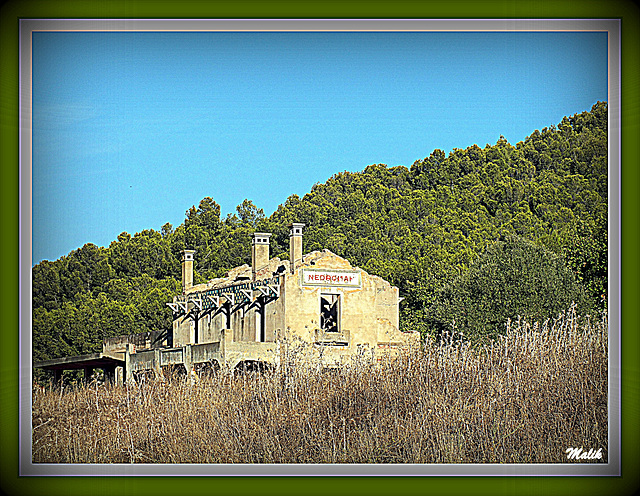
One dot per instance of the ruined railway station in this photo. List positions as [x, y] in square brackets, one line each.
[243, 319]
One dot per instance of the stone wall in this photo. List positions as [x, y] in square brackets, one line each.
[143, 340]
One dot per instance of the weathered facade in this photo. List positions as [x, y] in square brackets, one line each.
[317, 299]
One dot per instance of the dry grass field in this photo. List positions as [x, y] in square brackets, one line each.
[523, 399]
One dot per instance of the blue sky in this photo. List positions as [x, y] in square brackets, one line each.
[132, 129]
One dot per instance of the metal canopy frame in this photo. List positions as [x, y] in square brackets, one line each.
[240, 296]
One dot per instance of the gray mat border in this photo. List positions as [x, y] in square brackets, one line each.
[612, 26]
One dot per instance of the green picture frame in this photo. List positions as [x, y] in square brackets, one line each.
[10, 480]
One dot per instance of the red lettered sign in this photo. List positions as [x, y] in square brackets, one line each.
[312, 277]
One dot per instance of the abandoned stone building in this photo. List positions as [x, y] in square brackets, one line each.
[246, 318]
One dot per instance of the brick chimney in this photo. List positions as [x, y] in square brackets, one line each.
[259, 252]
[187, 269]
[295, 245]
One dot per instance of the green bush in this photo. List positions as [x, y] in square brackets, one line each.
[512, 278]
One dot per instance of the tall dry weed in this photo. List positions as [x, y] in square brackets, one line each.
[524, 398]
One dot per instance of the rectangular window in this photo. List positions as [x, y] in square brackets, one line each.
[330, 312]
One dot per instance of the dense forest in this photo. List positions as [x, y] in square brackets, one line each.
[470, 238]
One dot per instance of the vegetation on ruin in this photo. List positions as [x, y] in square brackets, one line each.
[525, 397]
[421, 227]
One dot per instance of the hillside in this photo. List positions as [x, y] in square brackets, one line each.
[418, 227]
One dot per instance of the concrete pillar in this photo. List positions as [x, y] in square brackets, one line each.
[157, 366]
[295, 245]
[259, 252]
[186, 358]
[119, 378]
[128, 373]
[187, 269]
[223, 338]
